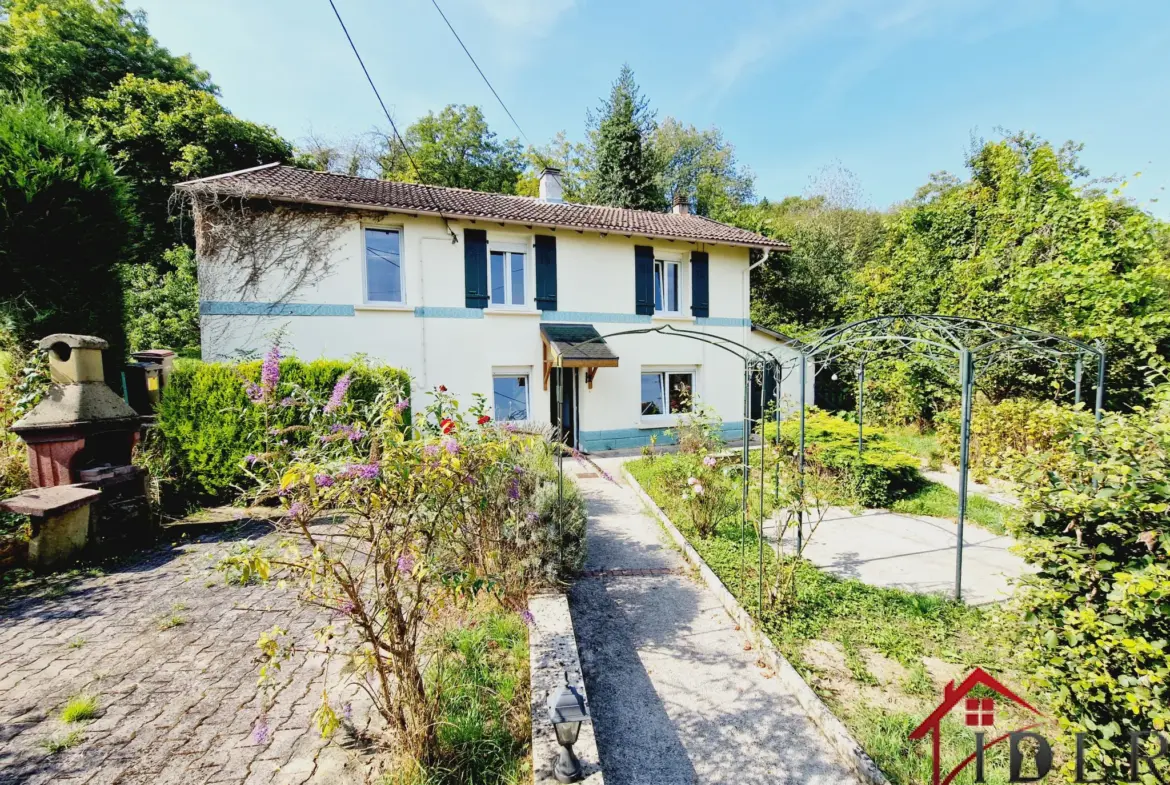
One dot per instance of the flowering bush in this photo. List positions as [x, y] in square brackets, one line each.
[421, 519]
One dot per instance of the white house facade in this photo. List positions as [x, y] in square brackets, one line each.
[484, 293]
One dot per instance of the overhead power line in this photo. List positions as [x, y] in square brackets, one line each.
[385, 111]
[487, 81]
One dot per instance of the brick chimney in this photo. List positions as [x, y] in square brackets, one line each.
[680, 205]
[551, 189]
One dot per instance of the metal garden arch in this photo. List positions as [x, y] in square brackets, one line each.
[977, 344]
[753, 362]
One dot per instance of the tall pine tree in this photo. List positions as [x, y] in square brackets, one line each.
[625, 169]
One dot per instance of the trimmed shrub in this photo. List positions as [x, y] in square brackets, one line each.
[1002, 433]
[207, 425]
[880, 475]
[1093, 623]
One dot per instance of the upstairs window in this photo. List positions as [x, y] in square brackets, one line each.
[506, 274]
[383, 266]
[667, 392]
[666, 286]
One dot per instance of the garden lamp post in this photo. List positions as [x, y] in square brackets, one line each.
[566, 709]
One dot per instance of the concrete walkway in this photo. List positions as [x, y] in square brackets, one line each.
[676, 697]
[913, 553]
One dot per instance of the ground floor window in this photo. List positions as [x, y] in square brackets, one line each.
[667, 392]
[510, 396]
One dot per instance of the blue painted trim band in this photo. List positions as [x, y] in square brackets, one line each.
[224, 308]
[593, 316]
[436, 312]
[722, 321]
[625, 438]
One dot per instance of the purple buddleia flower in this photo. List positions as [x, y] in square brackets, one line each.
[251, 459]
[405, 563]
[296, 509]
[270, 370]
[347, 607]
[288, 401]
[254, 392]
[532, 517]
[338, 396]
[608, 476]
[401, 406]
[347, 711]
[510, 427]
[514, 489]
[323, 480]
[527, 617]
[431, 450]
[709, 461]
[260, 732]
[451, 446]
[361, 471]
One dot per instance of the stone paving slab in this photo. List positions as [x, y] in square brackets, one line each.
[676, 697]
[178, 699]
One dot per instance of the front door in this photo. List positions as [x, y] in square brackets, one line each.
[567, 413]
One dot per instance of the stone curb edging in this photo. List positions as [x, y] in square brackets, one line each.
[834, 730]
[552, 654]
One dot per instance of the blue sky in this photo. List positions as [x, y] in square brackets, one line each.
[890, 89]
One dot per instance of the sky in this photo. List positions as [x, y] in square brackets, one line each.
[890, 90]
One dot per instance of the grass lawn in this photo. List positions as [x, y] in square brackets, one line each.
[940, 501]
[878, 657]
[924, 445]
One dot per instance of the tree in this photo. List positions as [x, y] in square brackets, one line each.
[356, 156]
[160, 133]
[163, 305]
[700, 165]
[1022, 242]
[64, 220]
[560, 153]
[75, 49]
[454, 148]
[625, 170]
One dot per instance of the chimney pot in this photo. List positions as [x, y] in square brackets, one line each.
[551, 188]
[680, 205]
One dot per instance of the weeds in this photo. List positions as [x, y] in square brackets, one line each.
[55, 745]
[939, 501]
[80, 708]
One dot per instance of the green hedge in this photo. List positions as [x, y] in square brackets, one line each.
[207, 424]
[879, 476]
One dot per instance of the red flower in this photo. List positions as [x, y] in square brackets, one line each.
[447, 425]
[442, 388]
[484, 420]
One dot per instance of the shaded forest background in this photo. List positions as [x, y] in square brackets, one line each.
[98, 121]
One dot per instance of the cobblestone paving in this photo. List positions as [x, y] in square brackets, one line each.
[170, 652]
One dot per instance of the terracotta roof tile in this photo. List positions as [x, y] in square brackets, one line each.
[288, 183]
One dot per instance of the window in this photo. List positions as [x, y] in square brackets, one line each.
[663, 388]
[506, 278]
[510, 397]
[980, 711]
[383, 266]
[666, 286]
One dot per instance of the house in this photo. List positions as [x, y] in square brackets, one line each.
[484, 293]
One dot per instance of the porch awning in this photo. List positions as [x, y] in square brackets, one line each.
[575, 346]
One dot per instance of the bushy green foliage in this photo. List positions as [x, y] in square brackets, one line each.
[1094, 621]
[208, 425]
[881, 474]
[64, 222]
[74, 49]
[625, 166]
[1003, 432]
[162, 305]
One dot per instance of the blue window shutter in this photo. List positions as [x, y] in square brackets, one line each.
[475, 267]
[700, 284]
[644, 280]
[546, 272]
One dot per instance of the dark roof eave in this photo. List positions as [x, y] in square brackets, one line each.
[772, 245]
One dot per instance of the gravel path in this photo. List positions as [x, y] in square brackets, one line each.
[676, 697]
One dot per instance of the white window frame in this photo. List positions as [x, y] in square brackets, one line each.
[513, 373]
[662, 264]
[511, 248]
[667, 417]
[366, 265]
